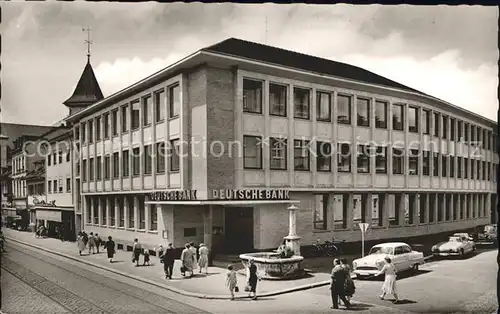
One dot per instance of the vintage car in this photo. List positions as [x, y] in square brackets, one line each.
[458, 244]
[489, 233]
[401, 254]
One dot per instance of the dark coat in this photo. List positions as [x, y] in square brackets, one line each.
[169, 256]
[110, 248]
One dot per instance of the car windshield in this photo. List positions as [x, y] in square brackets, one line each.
[381, 250]
[454, 239]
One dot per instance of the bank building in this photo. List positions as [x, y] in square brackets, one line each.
[303, 125]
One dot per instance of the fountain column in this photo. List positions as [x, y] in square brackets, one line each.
[293, 240]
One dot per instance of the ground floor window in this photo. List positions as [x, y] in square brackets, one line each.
[153, 212]
[341, 205]
[422, 207]
[441, 205]
[121, 211]
[130, 212]
[104, 211]
[432, 207]
[112, 213]
[142, 213]
[394, 210]
[88, 212]
[96, 210]
[359, 209]
[378, 209]
[320, 211]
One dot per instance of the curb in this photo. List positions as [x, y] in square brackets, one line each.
[172, 289]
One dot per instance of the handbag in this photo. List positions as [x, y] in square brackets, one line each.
[236, 289]
[183, 269]
[247, 288]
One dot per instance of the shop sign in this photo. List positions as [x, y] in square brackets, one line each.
[252, 195]
[49, 215]
[180, 195]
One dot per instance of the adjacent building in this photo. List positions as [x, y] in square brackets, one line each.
[213, 148]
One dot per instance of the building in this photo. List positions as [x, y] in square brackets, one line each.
[293, 127]
[36, 191]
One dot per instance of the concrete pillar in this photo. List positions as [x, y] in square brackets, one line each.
[416, 209]
[487, 206]
[125, 212]
[451, 207]
[458, 206]
[207, 226]
[293, 240]
[384, 203]
[136, 212]
[108, 212]
[369, 209]
[427, 207]
[99, 210]
[350, 206]
[117, 212]
[92, 204]
[401, 209]
[85, 214]
[437, 206]
[147, 213]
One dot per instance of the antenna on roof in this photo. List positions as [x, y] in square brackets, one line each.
[88, 41]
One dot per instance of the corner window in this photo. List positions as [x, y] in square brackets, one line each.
[277, 100]
[135, 115]
[174, 149]
[413, 119]
[343, 157]
[397, 160]
[147, 113]
[278, 153]
[323, 156]
[252, 152]
[363, 112]
[301, 155]
[398, 117]
[381, 160]
[174, 101]
[343, 109]
[160, 105]
[363, 158]
[301, 103]
[252, 96]
[323, 107]
[380, 114]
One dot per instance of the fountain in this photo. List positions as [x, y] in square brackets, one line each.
[286, 262]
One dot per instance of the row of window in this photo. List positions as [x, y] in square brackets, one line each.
[111, 163]
[447, 204]
[252, 152]
[417, 117]
[153, 108]
[93, 208]
[58, 157]
[56, 186]
[18, 164]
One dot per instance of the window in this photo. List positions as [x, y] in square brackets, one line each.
[84, 170]
[55, 186]
[398, 117]
[452, 166]
[413, 162]
[174, 155]
[91, 169]
[397, 161]
[125, 119]
[343, 109]
[107, 167]
[147, 114]
[54, 158]
[320, 211]
[459, 167]
[394, 210]
[174, 101]
[426, 163]
[160, 157]
[252, 152]
[478, 136]
[452, 129]
[68, 185]
[487, 139]
[49, 187]
[426, 121]
[466, 132]
[363, 159]
[472, 169]
[142, 213]
[84, 131]
[437, 120]
[77, 133]
[153, 218]
[488, 164]
[343, 157]
[136, 161]
[444, 166]
[148, 159]
[68, 156]
[459, 131]
[473, 134]
[466, 168]
[483, 168]
[116, 165]
[277, 100]
[49, 160]
[495, 144]
[105, 118]
[323, 107]
[301, 155]
[323, 156]
[363, 111]
[135, 115]
[131, 220]
[381, 114]
[278, 153]
[381, 160]
[252, 96]
[125, 163]
[112, 213]
[160, 105]
[189, 232]
[98, 129]
[114, 120]
[301, 103]
[98, 167]
[60, 155]
[413, 114]
[91, 131]
[445, 126]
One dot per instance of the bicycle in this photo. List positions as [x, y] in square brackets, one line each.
[327, 248]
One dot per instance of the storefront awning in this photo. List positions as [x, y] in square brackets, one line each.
[221, 202]
[51, 215]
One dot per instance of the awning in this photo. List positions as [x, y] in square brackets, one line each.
[51, 215]
[221, 202]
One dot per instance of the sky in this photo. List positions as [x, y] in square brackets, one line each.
[449, 52]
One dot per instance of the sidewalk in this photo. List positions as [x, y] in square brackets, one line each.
[211, 286]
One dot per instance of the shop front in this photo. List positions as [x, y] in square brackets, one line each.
[58, 221]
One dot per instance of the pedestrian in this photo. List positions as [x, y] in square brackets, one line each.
[389, 286]
[61, 233]
[136, 252]
[2, 242]
[146, 257]
[337, 285]
[231, 281]
[160, 251]
[195, 252]
[110, 248]
[91, 243]
[80, 243]
[350, 288]
[98, 242]
[168, 261]
[252, 280]
[85, 238]
[187, 259]
[203, 261]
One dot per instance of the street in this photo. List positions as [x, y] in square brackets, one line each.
[34, 281]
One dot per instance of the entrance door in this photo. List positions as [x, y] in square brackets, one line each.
[239, 229]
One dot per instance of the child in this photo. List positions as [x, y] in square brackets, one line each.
[231, 280]
[146, 257]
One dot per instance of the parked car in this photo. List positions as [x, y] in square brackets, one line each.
[401, 254]
[464, 236]
[488, 234]
[458, 244]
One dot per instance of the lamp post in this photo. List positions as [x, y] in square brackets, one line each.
[293, 240]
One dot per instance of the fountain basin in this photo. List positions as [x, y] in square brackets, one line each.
[271, 267]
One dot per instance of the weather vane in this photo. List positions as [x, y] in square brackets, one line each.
[88, 41]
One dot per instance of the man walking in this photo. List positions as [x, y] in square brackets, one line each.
[337, 286]
[91, 243]
[168, 259]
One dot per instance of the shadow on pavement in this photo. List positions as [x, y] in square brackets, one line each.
[405, 301]
[360, 307]
[403, 275]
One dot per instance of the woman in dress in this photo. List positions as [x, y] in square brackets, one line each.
[110, 248]
[389, 286]
[80, 243]
[195, 251]
[231, 281]
[203, 261]
[349, 283]
[252, 280]
[187, 260]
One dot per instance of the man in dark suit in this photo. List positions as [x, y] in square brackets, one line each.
[168, 261]
[337, 286]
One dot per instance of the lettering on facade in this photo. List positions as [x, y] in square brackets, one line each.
[251, 195]
[181, 195]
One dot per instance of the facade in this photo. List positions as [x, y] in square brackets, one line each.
[350, 146]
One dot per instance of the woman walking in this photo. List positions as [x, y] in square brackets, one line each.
[187, 259]
[350, 288]
[195, 256]
[203, 261]
[137, 250]
[231, 281]
[252, 280]
[80, 243]
[389, 286]
[110, 248]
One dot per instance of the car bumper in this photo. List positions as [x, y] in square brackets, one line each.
[365, 273]
[445, 253]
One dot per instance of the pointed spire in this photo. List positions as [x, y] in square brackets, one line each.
[87, 90]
